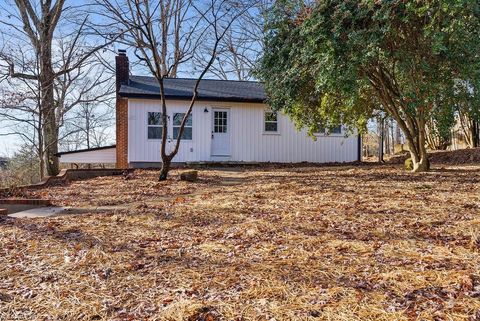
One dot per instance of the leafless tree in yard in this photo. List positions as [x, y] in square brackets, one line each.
[44, 43]
[79, 90]
[166, 35]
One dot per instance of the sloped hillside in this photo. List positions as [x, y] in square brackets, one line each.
[469, 156]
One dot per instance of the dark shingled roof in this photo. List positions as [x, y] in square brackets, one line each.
[181, 88]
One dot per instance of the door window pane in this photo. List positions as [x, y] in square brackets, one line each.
[220, 122]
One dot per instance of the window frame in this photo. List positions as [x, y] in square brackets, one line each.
[326, 133]
[155, 125]
[265, 121]
[225, 122]
[178, 126]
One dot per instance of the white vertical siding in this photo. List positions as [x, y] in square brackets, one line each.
[248, 141]
[100, 156]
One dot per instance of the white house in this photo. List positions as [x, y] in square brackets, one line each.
[229, 123]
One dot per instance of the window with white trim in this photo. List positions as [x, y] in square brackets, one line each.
[337, 130]
[187, 130]
[270, 121]
[154, 125]
[220, 122]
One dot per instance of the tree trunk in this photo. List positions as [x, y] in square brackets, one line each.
[381, 139]
[423, 164]
[47, 106]
[50, 134]
[50, 130]
[418, 150]
[165, 169]
[42, 165]
[475, 134]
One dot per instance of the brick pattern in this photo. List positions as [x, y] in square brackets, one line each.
[26, 202]
[65, 176]
[122, 74]
[122, 71]
[122, 132]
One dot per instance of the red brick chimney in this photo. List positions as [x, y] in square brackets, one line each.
[122, 74]
[121, 68]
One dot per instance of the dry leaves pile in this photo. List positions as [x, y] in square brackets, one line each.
[312, 243]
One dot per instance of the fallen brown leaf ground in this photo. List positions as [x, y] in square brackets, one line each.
[309, 243]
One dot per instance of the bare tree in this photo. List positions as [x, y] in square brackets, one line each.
[37, 24]
[89, 124]
[165, 35]
[21, 108]
[241, 46]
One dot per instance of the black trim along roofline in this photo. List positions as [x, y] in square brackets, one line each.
[222, 99]
[203, 79]
[85, 150]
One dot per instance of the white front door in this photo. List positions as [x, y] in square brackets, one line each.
[221, 132]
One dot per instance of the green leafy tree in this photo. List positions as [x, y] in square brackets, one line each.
[340, 61]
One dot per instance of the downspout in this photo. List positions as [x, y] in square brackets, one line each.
[359, 147]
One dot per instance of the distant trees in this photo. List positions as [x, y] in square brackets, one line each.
[240, 48]
[88, 125]
[22, 168]
[338, 61]
[45, 52]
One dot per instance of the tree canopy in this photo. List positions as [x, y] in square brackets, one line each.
[337, 61]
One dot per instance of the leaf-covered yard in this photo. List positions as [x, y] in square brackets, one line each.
[310, 243]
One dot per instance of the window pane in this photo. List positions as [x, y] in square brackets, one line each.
[154, 118]
[220, 122]
[154, 132]
[187, 133]
[336, 130]
[270, 116]
[178, 117]
[270, 127]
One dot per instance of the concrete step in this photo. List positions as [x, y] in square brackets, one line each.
[20, 205]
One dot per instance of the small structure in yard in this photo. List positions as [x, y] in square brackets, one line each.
[230, 122]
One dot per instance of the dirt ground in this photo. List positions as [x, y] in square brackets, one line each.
[278, 243]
